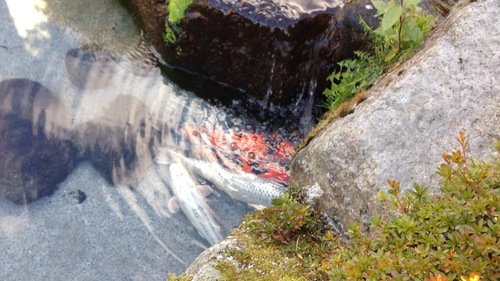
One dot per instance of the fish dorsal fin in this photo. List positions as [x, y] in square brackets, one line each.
[173, 205]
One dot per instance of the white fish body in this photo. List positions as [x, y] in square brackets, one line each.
[192, 202]
[252, 189]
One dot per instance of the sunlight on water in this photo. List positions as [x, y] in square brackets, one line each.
[27, 15]
[281, 12]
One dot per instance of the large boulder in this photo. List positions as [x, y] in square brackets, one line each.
[279, 53]
[411, 117]
[35, 147]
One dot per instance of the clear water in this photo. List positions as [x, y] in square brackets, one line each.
[90, 55]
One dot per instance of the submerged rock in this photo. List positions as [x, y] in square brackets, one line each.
[35, 145]
[278, 52]
[118, 143]
[411, 117]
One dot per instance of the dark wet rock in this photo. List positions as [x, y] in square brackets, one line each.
[89, 69]
[35, 145]
[279, 52]
[119, 143]
[440, 7]
[151, 15]
[411, 117]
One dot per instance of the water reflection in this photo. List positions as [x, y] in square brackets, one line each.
[35, 141]
[118, 143]
[88, 69]
[89, 135]
[279, 13]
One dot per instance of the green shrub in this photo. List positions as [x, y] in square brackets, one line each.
[402, 27]
[287, 241]
[176, 9]
[441, 237]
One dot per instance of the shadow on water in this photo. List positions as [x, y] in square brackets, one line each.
[82, 120]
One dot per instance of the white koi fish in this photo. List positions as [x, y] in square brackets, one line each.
[249, 188]
[191, 201]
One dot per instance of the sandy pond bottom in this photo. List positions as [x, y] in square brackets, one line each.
[114, 234]
[89, 229]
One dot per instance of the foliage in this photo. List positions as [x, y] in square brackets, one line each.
[442, 237]
[353, 76]
[402, 28]
[287, 219]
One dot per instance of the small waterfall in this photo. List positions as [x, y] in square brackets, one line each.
[306, 121]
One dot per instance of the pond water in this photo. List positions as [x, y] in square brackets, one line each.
[82, 77]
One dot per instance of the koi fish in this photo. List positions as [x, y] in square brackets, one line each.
[191, 201]
[263, 155]
[256, 191]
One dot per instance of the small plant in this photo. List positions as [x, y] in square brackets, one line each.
[402, 28]
[287, 219]
[403, 25]
[354, 76]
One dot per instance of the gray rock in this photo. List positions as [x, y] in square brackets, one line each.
[203, 267]
[411, 117]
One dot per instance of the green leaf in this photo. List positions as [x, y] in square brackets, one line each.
[408, 3]
[391, 55]
[380, 6]
[391, 17]
[414, 33]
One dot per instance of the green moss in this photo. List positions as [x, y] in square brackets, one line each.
[169, 35]
[176, 9]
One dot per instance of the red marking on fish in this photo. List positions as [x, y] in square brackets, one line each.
[265, 155]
